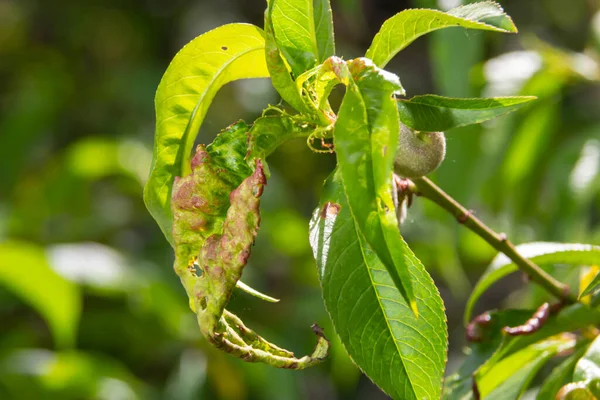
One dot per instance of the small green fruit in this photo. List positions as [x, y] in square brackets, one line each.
[419, 153]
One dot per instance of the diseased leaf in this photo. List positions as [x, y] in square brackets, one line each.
[270, 131]
[363, 139]
[403, 28]
[198, 71]
[405, 356]
[507, 379]
[303, 32]
[560, 375]
[538, 252]
[431, 113]
[216, 218]
[201, 200]
[25, 271]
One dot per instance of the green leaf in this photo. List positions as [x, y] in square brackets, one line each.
[405, 356]
[279, 70]
[431, 113]
[538, 252]
[198, 71]
[487, 341]
[25, 271]
[586, 376]
[507, 379]
[303, 32]
[492, 346]
[270, 131]
[592, 287]
[587, 368]
[571, 318]
[575, 391]
[559, 376]
[365, 136]
[403, 28]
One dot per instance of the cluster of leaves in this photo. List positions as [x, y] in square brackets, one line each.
[383, 303]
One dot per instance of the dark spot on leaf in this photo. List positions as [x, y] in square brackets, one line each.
[257, 190]
[224, 48]
[293, 365]
[203, 303]
[196, 270]
[330, 210]
[384, 150]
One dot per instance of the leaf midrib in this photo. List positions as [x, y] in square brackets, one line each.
[405, 43]
[312, 36]
[389, 327]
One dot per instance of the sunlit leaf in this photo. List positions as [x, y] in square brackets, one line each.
[403, 28]
[538, 252]
[365, 136]
[560, 375]
[585, 382]
[485, 339]
[269, 132]
[216, 219]
[431, 113]
[405, 356]
[510, 377]
[593, 286]
[25, 271]
[587, 368]
[198, 71]
[303, 32]
[571, 318]
[279, 70]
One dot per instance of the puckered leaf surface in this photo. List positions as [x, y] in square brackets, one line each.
[198, 71]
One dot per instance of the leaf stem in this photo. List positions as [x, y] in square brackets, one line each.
[426, 188]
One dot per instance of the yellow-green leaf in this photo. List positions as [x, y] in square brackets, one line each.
[403, 28]
[198, 71]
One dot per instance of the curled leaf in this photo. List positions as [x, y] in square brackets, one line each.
[216, 219]
[213, 59]
[532, 324]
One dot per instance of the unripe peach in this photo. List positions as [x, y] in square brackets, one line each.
[418, 153]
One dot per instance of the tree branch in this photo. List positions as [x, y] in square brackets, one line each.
[424, 187]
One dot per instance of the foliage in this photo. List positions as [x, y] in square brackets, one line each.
[379, 295]
[215, 208]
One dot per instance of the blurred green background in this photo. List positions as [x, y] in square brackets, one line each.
[89, 305]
